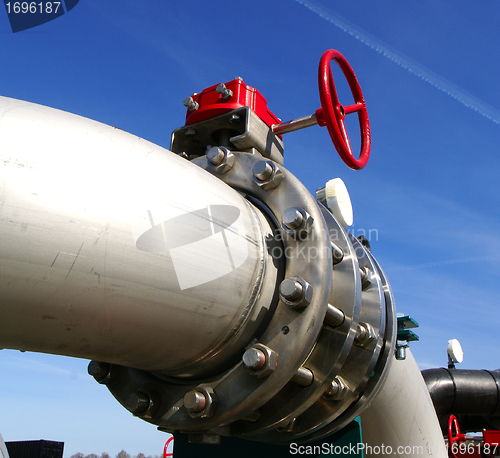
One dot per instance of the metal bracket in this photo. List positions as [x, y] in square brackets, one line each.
[240, 128]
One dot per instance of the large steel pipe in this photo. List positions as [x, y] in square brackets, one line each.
[117, 250]
[401, 420]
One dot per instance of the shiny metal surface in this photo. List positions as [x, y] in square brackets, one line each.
[363, 385]
[216, 296]
[290, 334]
[295, 124]
[320, 380]
[243, 130]
[337, 360]
[98, 263]
[402, 414]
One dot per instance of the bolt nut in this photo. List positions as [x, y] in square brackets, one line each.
[296, 222]
[138, 402]
[98, 369]
[143, 403]
[296, 292]
[102, 372]
[254, 359]
[190, 104]
[201, 402]
[224, 92]
[267, 175]
[220, 159]
[194, 401]
[336, 390]
[260, 360]
[366, 277]
[364, 334]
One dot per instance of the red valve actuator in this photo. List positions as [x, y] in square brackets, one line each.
[213, 103]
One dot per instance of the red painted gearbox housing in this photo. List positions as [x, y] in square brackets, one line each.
[213, 104]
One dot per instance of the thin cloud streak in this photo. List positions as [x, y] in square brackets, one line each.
[405, 62]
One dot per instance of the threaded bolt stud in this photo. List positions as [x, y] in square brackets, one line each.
[194, 401]
[254, 359]
[291, 290]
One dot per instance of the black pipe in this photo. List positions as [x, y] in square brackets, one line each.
[465, 393]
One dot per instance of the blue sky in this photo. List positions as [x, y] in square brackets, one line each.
[429, 73]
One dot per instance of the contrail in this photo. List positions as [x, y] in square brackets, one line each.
[405, 62]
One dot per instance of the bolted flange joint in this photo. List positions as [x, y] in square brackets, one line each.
[260, 361]
[220, 159]
[296, 222]
[201, 402]
[296, 292]
[267, 175]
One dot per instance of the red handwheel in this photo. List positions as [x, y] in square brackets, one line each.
[453, 424]
[332, 112]
[166, 453]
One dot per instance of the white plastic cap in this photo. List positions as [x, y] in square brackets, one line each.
[336, 198]
[455, 351]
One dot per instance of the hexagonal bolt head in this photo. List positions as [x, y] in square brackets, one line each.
[296, 292]
[201, 402]
[224, 92]
[336, 390]
[190, 104]
[138, 402]
[296, 222]
[220, 159]
[254, 364]
[364, 334]
[267, 175]
[98, 369]
[366, 277]
[102, 372]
